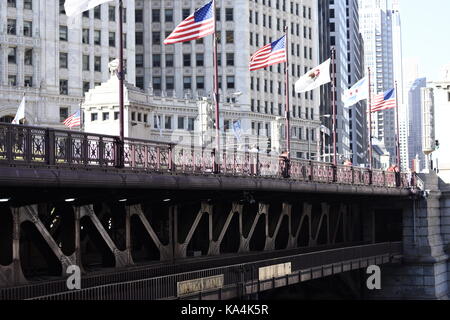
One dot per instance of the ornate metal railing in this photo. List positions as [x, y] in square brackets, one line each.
[35, 146]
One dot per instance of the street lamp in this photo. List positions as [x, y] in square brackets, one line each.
[325, 130]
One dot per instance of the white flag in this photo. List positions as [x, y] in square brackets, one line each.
[314, 78]
[20, 112]
[74, 7]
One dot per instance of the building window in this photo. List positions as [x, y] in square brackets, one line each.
[28, 4]
[156, 60]
[139, 60]
[168, 13]
[187, 60]
[124, 14]
[170, 83]
[94, 116]
[63, 113]
[63, 60]
[11, 27]
[229, 36]
[230, 59]
[140, 82]
[98, 63]
[181, 123]
[187, 83]
[138, 15]
[168, 122]
[12, 80]
[185, 13]
[156, 36]
[97, 37]
[12, 3]
[63, 87]
[27, 29]
[85, 63]
[201, 82]
[86, 86]
[85, 36]
[63, 33]
[199, 59]
[112, 39]
[169, 60]
[61, 7]
[191, 122]
[28, 81]
[12, 55]
[230, 82]
[157, 83]
[112, 13]
[97, 12]
[139, 38]
[28, 57]
[229, 14]
[116, 115]
[156, 15]
[105, 116]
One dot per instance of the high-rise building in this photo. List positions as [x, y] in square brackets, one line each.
[355, 68]
[441, 95]
[346, 39]
[415, 116]
[185, 70]
[338, 34]
[376, 25]
[53, 61]
[325, 90]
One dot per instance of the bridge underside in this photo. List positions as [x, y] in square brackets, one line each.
[41, 234]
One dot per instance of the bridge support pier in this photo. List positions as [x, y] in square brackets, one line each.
[424, 273]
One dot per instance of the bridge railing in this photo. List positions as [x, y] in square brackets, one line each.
[50, 147]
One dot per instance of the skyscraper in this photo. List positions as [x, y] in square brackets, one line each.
[186, 70]
[54, 62]
[376, 29]
[415, 148]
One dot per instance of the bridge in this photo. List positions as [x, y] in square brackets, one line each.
[153, 220]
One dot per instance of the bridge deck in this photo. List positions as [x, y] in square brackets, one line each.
[34, 156]
[243, 278]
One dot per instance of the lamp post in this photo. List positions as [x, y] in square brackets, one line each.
[324, 130]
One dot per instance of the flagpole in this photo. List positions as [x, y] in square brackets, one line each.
[216, 92]
[333, 79]
[287, 106]
[399, 161]
[370, 124]
[121, 76]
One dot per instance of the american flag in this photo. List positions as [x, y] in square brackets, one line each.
[268, 55]
[74, 120]
[384, 101]
[196, 26]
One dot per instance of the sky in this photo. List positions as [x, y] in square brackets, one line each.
[425, 32]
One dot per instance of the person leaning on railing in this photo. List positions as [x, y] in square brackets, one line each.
[285, 164]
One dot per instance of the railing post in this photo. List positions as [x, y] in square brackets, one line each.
[9, 144]
[370, 177]
[118, 153]
[50, 154]
[216, 168]
[335, 174]
[100, 152]
[171, 160]
[69, 148]
[28, 150]
[85, 150]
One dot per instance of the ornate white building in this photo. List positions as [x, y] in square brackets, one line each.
[181, 121]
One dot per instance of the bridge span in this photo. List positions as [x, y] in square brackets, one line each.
[69, 198]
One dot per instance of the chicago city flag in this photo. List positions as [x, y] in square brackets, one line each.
[314, 78]
[74, 7]
[359, 91]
